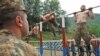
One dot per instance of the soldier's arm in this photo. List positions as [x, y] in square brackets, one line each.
[43, 18]
[75, 17]
[29, 49]
[91, 14]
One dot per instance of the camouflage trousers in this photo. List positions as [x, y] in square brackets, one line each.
[82, 32]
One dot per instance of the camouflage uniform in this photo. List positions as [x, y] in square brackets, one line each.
[11, 46]
[82, 32]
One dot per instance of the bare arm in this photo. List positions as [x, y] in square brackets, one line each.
[52, 13]
[91, 14]
[75, 17]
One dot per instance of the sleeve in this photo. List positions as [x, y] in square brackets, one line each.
[7, 45]
[28, 49]
[11, 46]
[10, 50]
[17, 49]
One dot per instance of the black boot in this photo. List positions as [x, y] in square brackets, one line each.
[88, 50]
[81, 51]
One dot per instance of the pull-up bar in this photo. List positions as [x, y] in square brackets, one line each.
[86, 9]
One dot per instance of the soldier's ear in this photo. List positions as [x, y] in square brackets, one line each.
[19, 21]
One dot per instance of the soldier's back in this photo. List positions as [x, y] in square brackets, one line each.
[11, 46]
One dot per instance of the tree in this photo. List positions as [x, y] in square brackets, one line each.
[40, 8]
[34, 7]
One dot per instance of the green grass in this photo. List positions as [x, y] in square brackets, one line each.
[49, 36]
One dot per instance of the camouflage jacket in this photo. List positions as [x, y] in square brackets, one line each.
[11, 46]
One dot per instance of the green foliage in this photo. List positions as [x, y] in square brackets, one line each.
[35, 7]
[95, 29]
[50, 6]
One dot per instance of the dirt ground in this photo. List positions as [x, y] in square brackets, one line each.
[58, 53]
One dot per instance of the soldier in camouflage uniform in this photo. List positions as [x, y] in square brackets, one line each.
[82, 27]
[13, 27]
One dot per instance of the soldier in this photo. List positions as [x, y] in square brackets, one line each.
[94, 43]
[82, 27]
[51, 19]
[13, 27]
[35, 30]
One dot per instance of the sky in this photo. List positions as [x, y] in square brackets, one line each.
[74, 5]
